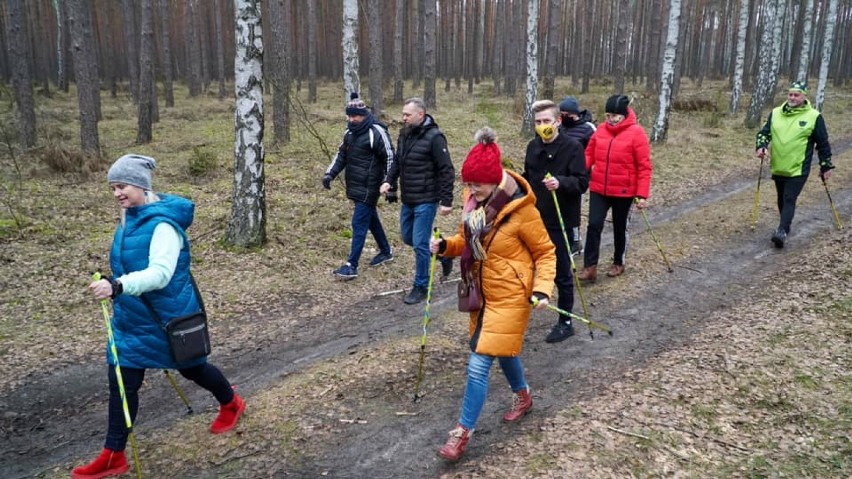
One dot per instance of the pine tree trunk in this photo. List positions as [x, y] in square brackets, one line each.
[430, 43]
[499, 45]
[128, 14]
[278, 60]
[168, 77]
[554, 15]
[827, 45]
[398, 80]
[737, 90]
[621, 46]
[193, 48]
[312, 52]
[247, 221]
[85, 74]
[351, 81]
[661, 125]
[18, 39]
[374, 27]
[61, 79]
[220, 47]
[531, 66]
[146, 72]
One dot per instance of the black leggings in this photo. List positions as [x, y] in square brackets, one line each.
[788, 190]
[598, 207]
[205, 375]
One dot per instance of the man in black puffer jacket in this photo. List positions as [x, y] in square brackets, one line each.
[366, 153]
[426, 174]
[576, 124]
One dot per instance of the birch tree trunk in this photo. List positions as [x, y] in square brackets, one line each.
[351, 81]
[247, 222]
[430, 43]
[374, 26]
[807, 34]
[532, 66]
[61, 80]
[146, 72]
[85, 74]
[168, 78]
[22, 83]
[827, 45]
[399, 22]
[765, 85]
[128, 8]
[737, 89]
[312, 52]
[661, 124]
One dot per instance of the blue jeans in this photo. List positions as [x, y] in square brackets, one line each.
[415, 223]
[366, 217]
[476, 390]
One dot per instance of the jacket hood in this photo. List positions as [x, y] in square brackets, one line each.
[628, 121]
[584, 117]
[175, 208]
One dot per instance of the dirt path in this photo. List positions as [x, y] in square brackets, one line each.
[58, 416]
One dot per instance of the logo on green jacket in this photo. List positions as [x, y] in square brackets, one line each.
[803, 123]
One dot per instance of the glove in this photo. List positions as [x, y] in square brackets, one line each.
[391, 197]
[326, 182]
[539, 296]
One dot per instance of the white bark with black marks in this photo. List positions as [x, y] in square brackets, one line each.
[807, 34]
[827, 45]
[737, 88]
[351, 81]
[247, 222]
[661, 124]
[765, 85]
[531, 65]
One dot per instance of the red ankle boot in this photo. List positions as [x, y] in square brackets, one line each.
[521, 405]
[456, 443]
[108, 463]
[228, 416]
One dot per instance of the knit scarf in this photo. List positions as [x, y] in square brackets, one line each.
[362, 127]
[479, 221]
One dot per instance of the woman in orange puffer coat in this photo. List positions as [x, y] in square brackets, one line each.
[507, 261]
[619, 157]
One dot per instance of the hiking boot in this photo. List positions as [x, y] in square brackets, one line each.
[456, 443]
[446, 267]
[381, 258]
[521, 405]
[347, 271]
[589, 273]
[779, 237]
[416, 295]
[228, 416]
[615, 270]
[560, 332]
[108, 463]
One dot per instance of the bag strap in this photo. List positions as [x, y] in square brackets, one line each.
[156, 316]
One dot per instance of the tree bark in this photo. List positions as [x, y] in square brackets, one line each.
[766, 79]
[661, 125]
[128, 14]
[146, 72]
[737, 89]
[61, 34]
[531, 65]
[220, 47]
[621, 46]
[399, 23]
[430, 43]
[247, 221]
[827, 45]
[166, 47]
[279, 15]
[351, 81]
[18, 38]
[85, 74]
[312, 51]
[554, 17]
[807, 33]
[374, 27]
[193, 48]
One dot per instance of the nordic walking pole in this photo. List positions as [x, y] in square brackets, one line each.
[570, 255]
[591, 324]
[831, 202]
[435, 234]
[651, 230]
[757, 195]
[178, 391]
[127, 421]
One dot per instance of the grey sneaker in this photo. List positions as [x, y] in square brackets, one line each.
[779, 237]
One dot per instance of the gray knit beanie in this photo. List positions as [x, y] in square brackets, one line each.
[133, 170]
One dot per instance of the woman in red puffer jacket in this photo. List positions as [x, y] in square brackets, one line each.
[619, 158]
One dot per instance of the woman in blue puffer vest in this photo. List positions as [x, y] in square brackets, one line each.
[150, 256]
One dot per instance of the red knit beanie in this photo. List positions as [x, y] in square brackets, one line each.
[482, 164]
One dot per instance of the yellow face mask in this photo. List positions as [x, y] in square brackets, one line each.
[546, 132]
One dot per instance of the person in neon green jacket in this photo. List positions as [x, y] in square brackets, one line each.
[789, 137]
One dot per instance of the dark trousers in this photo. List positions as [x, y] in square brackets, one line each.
[788, 190]
[564, 277]
[364, 218]
[599, 205]
[205, 375]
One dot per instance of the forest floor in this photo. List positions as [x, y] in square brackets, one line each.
[734, 365]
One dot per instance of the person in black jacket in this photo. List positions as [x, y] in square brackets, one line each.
[366, 154]
[555, 153]
[576, 123]
[425, 173]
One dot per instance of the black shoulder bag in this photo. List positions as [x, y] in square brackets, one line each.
[188, 336]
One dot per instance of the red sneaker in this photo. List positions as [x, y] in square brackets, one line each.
[228, 416]
[108, 463]
[521, 405]
[456, 443]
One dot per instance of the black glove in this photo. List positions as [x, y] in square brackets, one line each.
[539, 296]
[391, 197]
[326, 181]
[442, 246]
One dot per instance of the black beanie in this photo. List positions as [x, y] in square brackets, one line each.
[617, 104]
[356, 106]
